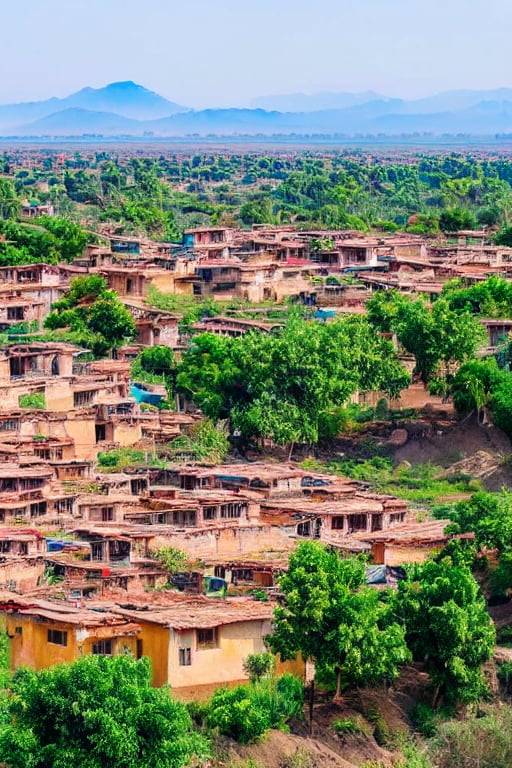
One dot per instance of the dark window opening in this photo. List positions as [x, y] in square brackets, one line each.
[57, 637]
[102, 648]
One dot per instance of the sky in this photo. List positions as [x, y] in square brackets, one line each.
[204, 53]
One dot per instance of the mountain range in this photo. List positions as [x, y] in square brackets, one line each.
[128, 109]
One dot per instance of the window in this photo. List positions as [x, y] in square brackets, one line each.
[338, 523]
[83, 398]
[207, 638]
[185, 657]
[102, 648]
[57, 637]
[107, 514]
[209, 513]
[230, 511]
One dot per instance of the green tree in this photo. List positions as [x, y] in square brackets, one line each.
[279, 386]
[447, 627]
[9, 203]
[487, 515]
[110, 318]
[474, 383]
[455, 219]
[332, 617]
[436, 334]
[501, 403]
[99, 711]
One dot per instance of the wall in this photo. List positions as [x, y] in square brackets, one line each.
[226, 541]
[395, 555]
[83, 433]
[219, 665]
[32, 649]
[21, 575]
[155, 645]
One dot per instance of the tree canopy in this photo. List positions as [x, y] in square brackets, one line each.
[434, 334]
[94, 316]
[447, 627]
[98, 711]
[332, 617]
[279, 386]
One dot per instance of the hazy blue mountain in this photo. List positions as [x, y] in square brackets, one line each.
[126, 99]
[453, 101]
[130, 109]
[314, 102]
[75, 122]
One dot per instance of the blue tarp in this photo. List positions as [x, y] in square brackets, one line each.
[141, 395]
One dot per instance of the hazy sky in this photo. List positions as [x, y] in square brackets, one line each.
[226, 52]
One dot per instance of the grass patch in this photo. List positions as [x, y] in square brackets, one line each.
[425, 484]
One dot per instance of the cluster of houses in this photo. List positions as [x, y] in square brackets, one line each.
[81, 569]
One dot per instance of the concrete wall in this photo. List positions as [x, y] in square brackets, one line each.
[219, 665]
[224, 542]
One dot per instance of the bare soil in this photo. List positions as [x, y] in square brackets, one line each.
[325, 748]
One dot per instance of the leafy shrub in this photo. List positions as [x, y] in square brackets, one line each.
[244, 713]
[233, 713]
[120, 458]
[424, 719]
[484, 741]
[33, 400]
[207, 442]
[258, 665]
[347, 726]
[381, 732]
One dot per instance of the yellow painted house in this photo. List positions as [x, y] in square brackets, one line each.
[199, 643]
[43, 633]
[194, 643]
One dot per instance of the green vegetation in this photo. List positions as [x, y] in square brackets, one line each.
[51, 241]
[91, 316]
[436, 335]
[258, 665]
[121, 458]
[171, 558]
[206, 442]
[426, 484]
[281, 386]
[33, 400]
[244, 713]
[447, 627]
[331, 616]
[95, 712]
[483, 739]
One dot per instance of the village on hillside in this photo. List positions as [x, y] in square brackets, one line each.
[81, 566]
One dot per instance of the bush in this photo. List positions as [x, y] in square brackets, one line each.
[484, 741]
[33, 400]
[347, 726]
[233, 713]
[244, 713]
[258, 665]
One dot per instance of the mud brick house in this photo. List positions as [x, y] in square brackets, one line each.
[232, 326]
[43, 633]
[253, 281]
[409, 543]
[29, 493]
[154, 326]
[332, 520]
[198, 642]
[43, 283]
[264, 479]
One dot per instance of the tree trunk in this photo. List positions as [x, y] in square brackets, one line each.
[311, 705]
[337, 695]
[290, 452]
